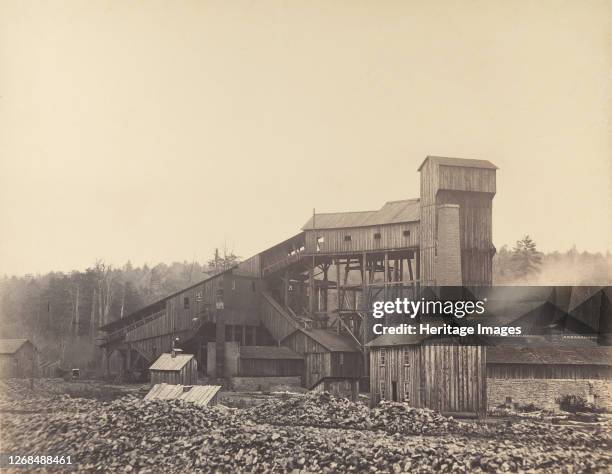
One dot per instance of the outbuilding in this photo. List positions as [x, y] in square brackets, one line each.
[438, 373]
[18, 358]
[175, 368]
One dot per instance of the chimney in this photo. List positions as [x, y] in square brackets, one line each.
[173, 353]
[448, 241]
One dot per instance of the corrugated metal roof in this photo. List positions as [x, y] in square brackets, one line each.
[463, 162]
[167, 362]
[198, 394]
[393, 212]
[553, 354]
[268, 352]
[331, 340]
[10, 346]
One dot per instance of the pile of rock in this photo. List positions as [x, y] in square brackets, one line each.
[316, 409]
[318, 433]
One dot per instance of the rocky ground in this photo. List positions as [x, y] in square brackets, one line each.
[314, 433]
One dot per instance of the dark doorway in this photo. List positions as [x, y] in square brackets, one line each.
[394, 391]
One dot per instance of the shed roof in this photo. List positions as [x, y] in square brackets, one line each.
[331, 340]
[268, 352]
[10, 346]
[393, 212]
[198, 394]
[167, 362]
[553, 354]
[463, 162]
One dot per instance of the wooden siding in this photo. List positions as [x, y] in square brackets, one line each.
[443, 378]
[277, 257]
[459, 178]
[241, 298]
[163, 324]
[476, 234]
[275, 319]
[316, 367]
[548, 371]
[429, 187]
[362, 238]
[320, 363]
[303, 344]
[22, 364]
[188, 375]
[270, 367]
[250, 266]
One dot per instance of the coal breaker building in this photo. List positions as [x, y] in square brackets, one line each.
[312, 293]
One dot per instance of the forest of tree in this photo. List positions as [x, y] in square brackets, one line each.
[61, 312]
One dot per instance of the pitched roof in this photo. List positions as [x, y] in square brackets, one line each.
[268, 352]
[393, 212]
[331, 340]
[198, 394]
[10, 346]
[167, 362]
[463, 162]
[552, 354]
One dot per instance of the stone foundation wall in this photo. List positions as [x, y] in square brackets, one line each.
[543, 392]
[253, 384]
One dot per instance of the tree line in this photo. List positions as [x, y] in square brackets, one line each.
[62, 312]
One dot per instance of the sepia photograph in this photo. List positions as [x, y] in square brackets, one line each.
[306, 237]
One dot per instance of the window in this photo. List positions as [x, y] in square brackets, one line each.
[186, 302]
[377, 236]
[347, 238]
[341, 358]
[320, 240]
[382, 389]
[407, 391]
[406, 357]
[233, 284]
[383, 356]
[406, 233]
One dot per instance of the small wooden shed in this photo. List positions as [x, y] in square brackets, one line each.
[439, 374]
[18, 358]
[175, 368]
[327, 355]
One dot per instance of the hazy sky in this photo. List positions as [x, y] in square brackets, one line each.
[155, 131]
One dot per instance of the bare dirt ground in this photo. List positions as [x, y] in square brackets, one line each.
[312, 433]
